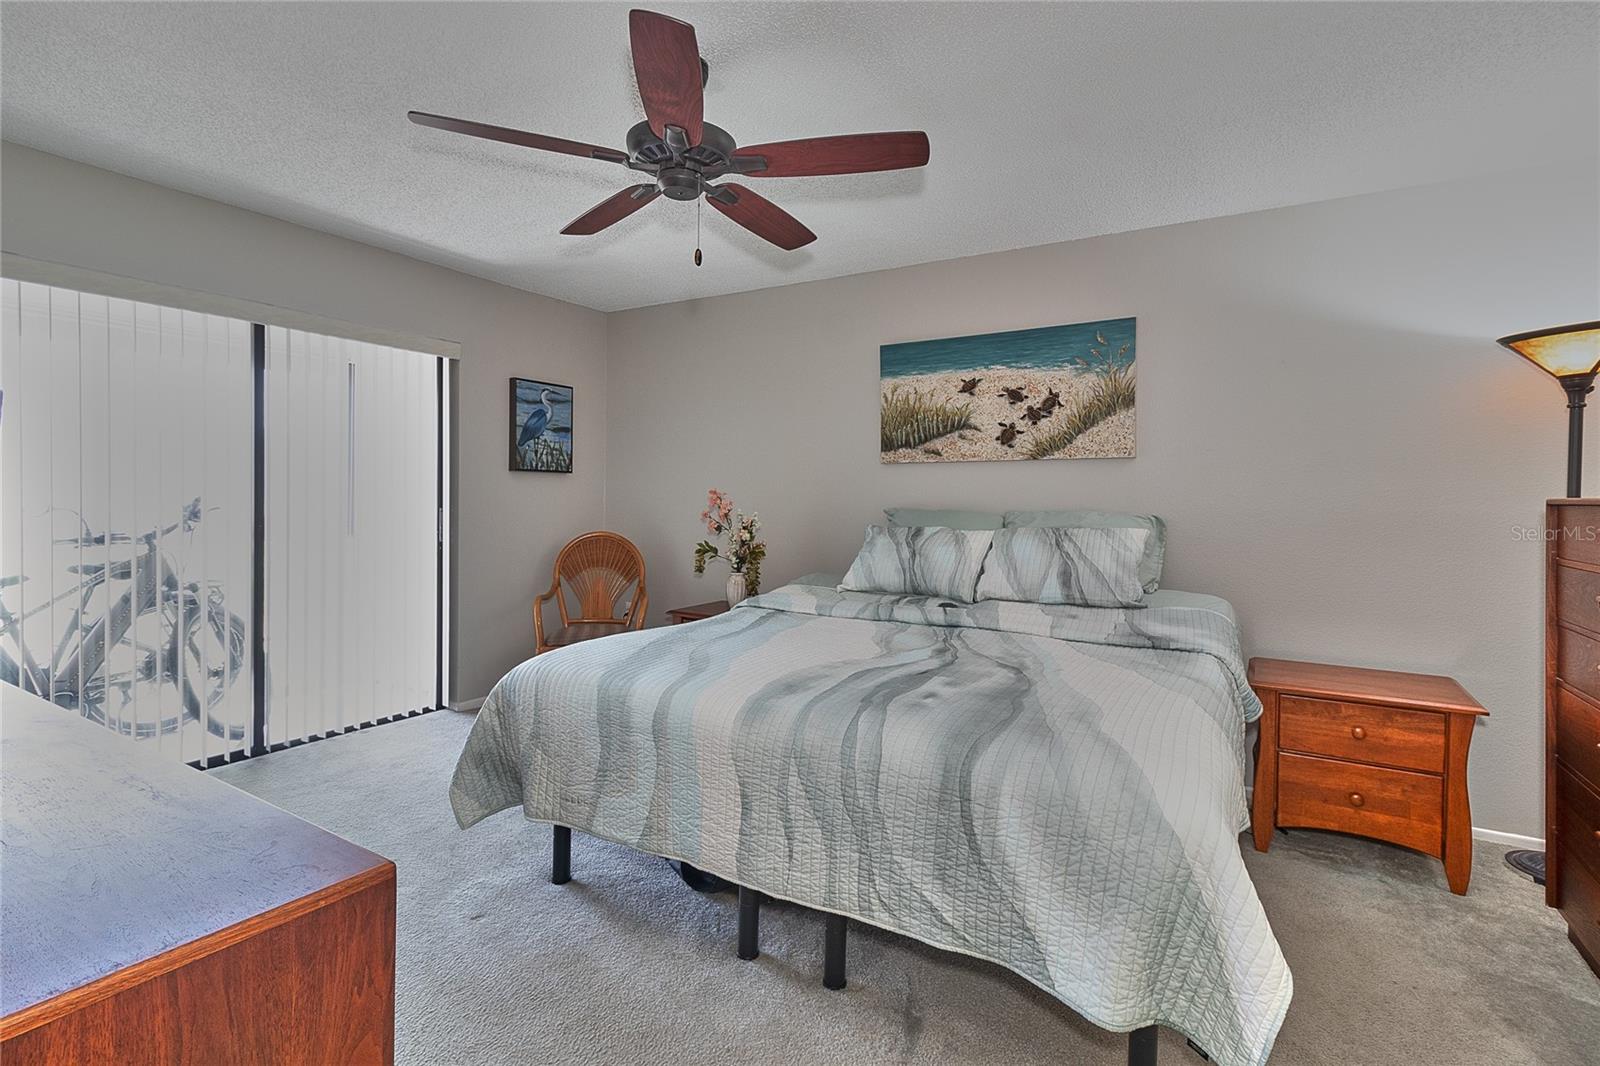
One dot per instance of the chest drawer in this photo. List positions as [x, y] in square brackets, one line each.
[1577, 534]
[1578, 661]
[1578, 811]
[1363, 732]
[1400, 806]
[1580, 905]
[1578, 597]
[1578, 735]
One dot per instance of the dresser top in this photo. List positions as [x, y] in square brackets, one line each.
[1423, 691]
[111, 853]
[701, 610]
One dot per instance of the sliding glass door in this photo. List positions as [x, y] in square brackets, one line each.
[216, 536]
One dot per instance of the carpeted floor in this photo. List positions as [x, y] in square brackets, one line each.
[626, 964]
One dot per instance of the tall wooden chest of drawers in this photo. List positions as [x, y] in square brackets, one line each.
[1572, 719]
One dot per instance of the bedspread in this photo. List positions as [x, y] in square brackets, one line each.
[1057, 789]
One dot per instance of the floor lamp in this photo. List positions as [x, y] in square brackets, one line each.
[1571, 355]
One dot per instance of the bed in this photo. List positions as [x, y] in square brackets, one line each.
[1056, 789]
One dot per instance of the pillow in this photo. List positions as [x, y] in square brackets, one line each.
[917, 516]
[1155, 551]
[1082, 566]
[919, 561]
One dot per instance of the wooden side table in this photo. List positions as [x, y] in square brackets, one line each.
[1370, 752]
[679, 615]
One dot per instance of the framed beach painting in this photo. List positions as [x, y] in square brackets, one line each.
[541, 426]
[1057, 392]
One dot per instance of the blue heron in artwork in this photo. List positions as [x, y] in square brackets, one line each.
[534, 427]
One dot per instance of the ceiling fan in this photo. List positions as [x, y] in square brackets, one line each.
[685, 155]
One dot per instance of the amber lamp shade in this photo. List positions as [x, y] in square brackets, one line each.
[1570, 354]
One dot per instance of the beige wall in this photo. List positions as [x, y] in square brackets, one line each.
[509, 525]
[1339, 447]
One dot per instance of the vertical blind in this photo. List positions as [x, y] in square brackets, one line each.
[128, 548]
[125, 531]
[353, 533]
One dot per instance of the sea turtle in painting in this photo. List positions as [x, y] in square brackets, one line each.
[1033, 414]
[969, 386]
[1008, 433]
[1014, 395]
[1051, 401]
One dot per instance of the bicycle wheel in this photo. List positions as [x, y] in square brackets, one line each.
[214, 654]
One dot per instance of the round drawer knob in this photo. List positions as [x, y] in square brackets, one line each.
[1357, 800]
[1357, 732]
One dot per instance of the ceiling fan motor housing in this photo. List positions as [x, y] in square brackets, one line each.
[679, 171]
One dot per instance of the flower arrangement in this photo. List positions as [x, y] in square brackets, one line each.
[743, 552]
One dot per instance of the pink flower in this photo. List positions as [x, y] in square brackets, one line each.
[719, 509]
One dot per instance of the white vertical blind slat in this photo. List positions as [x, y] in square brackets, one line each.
[11, 468]
[241, 522]
[122, 432]
[170, 486]
[95, 521]
[33, 419]
[148, 511]
[277, 436]
[65, 491]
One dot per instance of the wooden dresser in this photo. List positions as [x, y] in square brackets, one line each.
[1572, 719]
[150, 914]
[1371, 752]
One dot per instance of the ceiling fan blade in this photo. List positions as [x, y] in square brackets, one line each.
[851, 153]
[611, 210]
[666, 64]
[510, 136]
[760, 216]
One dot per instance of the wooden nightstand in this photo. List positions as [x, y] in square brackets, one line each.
[1369, 752]
[680, 615]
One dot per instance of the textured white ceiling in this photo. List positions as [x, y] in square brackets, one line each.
[1048, 121]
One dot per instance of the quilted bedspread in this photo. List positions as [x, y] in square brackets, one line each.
[1057, 789]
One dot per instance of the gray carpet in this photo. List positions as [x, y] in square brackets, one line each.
[626, 964]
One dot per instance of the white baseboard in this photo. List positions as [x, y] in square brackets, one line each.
[1510, 840]
[468, 705]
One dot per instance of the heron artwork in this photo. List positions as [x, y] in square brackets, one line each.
[541, 426]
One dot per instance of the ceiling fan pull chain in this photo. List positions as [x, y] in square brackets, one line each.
[697, 205]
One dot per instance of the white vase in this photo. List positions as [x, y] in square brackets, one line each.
[737, 589]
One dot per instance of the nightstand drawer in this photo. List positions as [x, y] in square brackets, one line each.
[1395, 805]
[1578, 813]
[1578, 534]
[1363, 732]
[1578, 661]
[1578, 597]
[1578, 735]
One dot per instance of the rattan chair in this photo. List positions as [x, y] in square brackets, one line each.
[598, 569]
